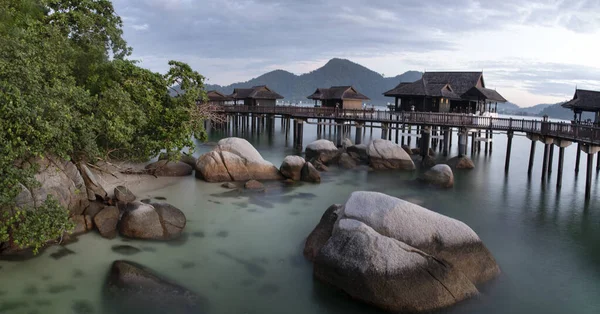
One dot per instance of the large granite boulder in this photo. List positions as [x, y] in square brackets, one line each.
[133, 288]
[166, 168]
[460, 162]
[384, 154]
[59, 179]
[439, 175]
[397, 255]
[291, 167]
[106, 221]
[235, 159]
[152, 221]
[322, 232]
[323, 150]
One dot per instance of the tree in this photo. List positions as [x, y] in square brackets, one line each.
[67, 89]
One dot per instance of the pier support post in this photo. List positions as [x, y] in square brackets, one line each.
[551, 159]
[598, 163]
[577, 158]
[462, 142]
[300, 135]
[409, 131]
[561, 159]
[425, 141]
[487, 136]
[384, 130]
[473, 144]
[358, 135]
[339, 127]
[509, 135]
[398, 133]
[588, 176]
[531, 157]
[295, 133]
[545, 161]
[446, 141]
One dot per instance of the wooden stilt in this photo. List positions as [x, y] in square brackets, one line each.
[531, 158]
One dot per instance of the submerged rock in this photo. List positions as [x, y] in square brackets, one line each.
[133, 288]
[229, 185]
[155, 221]
[398, 256]
[384, 154]
[254, 185]
[235, 159]
[461, 162]
[439, 175]
[322, 150]
[291, 167]
[165, 168]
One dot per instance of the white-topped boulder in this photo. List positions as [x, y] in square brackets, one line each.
[235, 159]
[291, 167]
[322, 150]
[397, 255]
[384, 154]
[440, 175]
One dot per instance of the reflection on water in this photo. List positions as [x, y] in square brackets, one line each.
[243, 251]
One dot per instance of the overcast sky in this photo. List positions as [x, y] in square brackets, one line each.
[530, 51]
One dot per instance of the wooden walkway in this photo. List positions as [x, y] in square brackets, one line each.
[583, 134]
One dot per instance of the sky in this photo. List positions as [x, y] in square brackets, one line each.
[531, 51]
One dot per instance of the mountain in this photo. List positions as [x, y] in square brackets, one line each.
[336, 72]
[512, 109]
[557, 112]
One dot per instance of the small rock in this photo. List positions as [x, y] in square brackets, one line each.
[125, 249]
[346, 162]
[310, 174]
[254, 185]
[291, 167]
[358, 152]
[346, 142]
[93, 209]
[124, 195]
[89, 222]
[320, 166]
[80, 227]
[407, 149]
[106, 221]
[322, 150]
[440, 175]
[461, 162]
[229, 185]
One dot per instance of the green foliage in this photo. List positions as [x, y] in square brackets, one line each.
[34, 228]
[67, 89]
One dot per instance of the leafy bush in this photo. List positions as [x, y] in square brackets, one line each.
[36, 227]
[67, 89]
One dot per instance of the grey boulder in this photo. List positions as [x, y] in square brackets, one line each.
[384, 154]
[322, 150]
[291, 167]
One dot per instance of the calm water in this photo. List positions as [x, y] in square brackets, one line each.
[243, 252]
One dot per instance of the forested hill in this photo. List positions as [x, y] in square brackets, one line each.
[337, 72]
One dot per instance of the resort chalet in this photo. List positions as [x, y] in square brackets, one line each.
[345, 97]
[461, 92]
[255, 96]
[216, 98]
[584, 100]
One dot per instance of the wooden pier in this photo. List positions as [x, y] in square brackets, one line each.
[437, 127]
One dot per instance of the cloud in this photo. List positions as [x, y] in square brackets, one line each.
[234, 40]
[141, 27]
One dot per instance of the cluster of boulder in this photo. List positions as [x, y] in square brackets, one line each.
[78, 189]
[397, 255]
[135, 219]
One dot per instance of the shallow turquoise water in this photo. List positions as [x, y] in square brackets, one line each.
[243, 252]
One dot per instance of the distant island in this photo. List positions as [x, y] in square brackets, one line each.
[340, 72]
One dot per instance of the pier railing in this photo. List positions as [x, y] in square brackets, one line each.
[576, 132]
